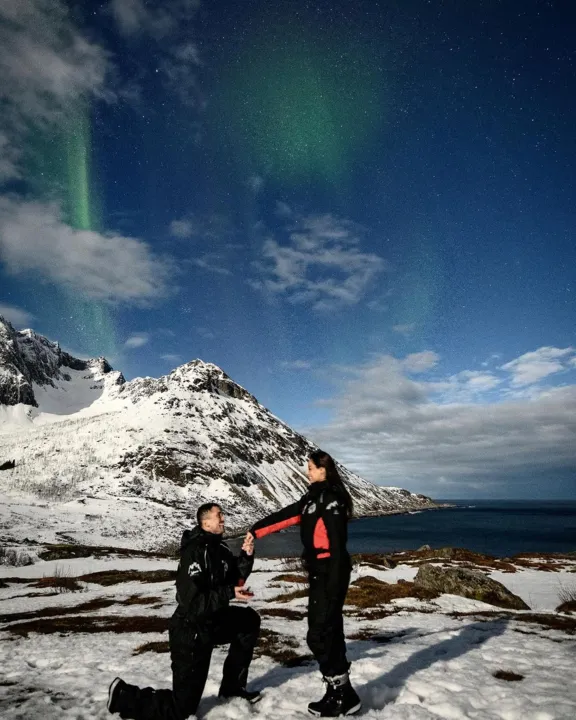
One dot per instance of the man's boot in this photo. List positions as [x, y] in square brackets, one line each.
[237, 688]
[340, 698]
[122, 698]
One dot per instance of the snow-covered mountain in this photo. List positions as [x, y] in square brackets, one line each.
[103, 461]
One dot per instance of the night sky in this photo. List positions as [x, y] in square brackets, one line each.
[363, 211]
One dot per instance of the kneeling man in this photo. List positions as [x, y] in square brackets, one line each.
[208, 577]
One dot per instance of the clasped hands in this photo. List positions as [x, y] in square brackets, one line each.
[242, 593]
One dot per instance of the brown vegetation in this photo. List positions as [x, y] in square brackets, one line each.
[545, 620]
[286, 613]
[293, 595]
[291, 578]
[507, 675]
[157, 647]
[366, 592]
[96, 604]
[115, 577]
[280, 648]
[97, 624]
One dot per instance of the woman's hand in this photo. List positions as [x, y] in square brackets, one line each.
[248, 544]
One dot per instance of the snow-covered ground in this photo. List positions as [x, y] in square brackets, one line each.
[422, 660]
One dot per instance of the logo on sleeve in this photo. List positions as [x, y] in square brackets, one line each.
[310, 509]
[194, 569]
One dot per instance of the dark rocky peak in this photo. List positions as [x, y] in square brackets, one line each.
[199, 375]
[27, 357]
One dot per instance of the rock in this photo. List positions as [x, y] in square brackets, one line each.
[468, 583]
[424, 548]
[567, 607]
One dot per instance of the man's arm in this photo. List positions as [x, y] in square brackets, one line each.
[194, 587]
[279, 520]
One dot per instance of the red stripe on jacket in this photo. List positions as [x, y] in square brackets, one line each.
[277, 526]
[321, 539]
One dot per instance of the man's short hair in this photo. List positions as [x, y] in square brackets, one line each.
[203, 510]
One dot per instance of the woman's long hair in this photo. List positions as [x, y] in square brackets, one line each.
[322, 460]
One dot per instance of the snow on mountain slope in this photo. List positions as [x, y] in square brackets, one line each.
[103, 461]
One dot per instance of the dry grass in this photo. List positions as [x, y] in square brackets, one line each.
[65, 551]
[292, 578]
[366, 592]
[99, 624]
[61, 581]
[462, 556]
[286, 613]
[507, 675]
[15, 558]
[157, 647]
[375, 560]
[140, 600]
[293, 595]
[545, 620]
[280, 648]
[115, 577]
[567, 607]
[567, 594]
[96, 604]
[292, 564]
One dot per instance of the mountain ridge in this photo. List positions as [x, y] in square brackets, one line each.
[129, 461]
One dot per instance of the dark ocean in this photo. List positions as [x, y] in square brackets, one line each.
[496, 527]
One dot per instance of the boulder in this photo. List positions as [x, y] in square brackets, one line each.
[469, 584]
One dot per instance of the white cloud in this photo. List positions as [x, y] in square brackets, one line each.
[534, 366]
[283, 209]
[33, 238]
[211, 263]
[168, 25]
[182, 228]
[255, 183]
[406, 329]
[394, 430]
[46, 67]
[17, 316]
[206, 333]
[321, 265]
[296, 364]
[421, 362]
[137, 340]
[171, 358]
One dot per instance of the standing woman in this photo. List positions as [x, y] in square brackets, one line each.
[323, 514]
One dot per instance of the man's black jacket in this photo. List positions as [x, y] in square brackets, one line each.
[207, 574]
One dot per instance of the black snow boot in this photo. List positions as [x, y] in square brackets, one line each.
[251, 696]
[340, 698]
[122, 698]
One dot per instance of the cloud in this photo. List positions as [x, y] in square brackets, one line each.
[421, 434]
[171, 358]
[167, 25]
[113, 268]
[255, 183]
[321, 265]
[296, 364]
[420, 362]
[533, 366]
[137, 340]
[17, 316]
[211, 263]
[405, 330]
[46, 67]
[182, 228]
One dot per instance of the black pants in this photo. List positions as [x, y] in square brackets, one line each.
[325, 622]
[190, 651]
